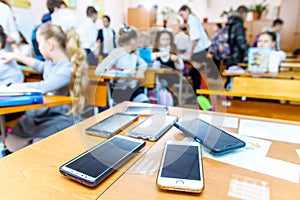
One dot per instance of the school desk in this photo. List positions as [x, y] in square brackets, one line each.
[49, 101]
[149, 80]
[280, 75]
[100, 87]
[290, 65]
[32, 173]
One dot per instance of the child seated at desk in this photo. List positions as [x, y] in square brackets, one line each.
[60, 77]
[125, 58]
[268, 40]
[10, 72]
[166, 54]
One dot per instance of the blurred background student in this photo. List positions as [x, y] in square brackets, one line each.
[106, 37]
[8, 24]
[125, 58]
[268, 40]
[88, 32]
[182, 40]
[10, 72]
[166, 54]
[144, 48]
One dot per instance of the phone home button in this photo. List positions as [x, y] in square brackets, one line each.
[179, 182]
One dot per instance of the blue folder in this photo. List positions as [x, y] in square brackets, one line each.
[20, 100]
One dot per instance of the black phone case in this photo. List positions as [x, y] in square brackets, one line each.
[231, 144]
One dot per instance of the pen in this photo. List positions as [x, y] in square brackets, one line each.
[8, 84]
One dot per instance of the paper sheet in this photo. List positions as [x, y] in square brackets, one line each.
[298, 152]
[270, 130]
[252, 157]
[230, 122]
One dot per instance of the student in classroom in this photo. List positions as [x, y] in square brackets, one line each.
[276, 28]
[145, 49]
[8, 24]
[106, 37]
[10, 72]
[64, 73]
[88, 33]
[268, 40]
[126, 59]
[166, 54]
[182, 40]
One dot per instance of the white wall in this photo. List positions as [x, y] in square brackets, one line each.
[117, 9]
[211, 9]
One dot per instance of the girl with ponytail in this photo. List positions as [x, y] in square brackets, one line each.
[64, 73]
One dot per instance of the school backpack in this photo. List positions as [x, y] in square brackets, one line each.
[220, 45]
[161, 96]
[165, 97]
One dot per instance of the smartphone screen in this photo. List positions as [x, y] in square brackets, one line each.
[181, 162]
[213, 138]
[94, 165]
[153, 127]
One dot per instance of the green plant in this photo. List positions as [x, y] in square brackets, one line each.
[167, 11]
[259, 7]
[226, 12]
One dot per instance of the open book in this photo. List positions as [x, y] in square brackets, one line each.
[18, 90]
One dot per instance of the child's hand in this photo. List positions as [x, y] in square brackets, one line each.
[140, 74]
[161, 54]
[174, 58]
[7, 57]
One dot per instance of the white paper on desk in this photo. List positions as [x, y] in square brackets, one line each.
[219, 120]
[19, 87]
[269, 130]
[252, 157]
[298, 152]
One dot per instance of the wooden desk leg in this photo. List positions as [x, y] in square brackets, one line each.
[2, 127]
[180, 88]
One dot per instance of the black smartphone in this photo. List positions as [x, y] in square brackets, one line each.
[153, 127]
[214, 139]
[94, 165]
[112, 125]
[146, 110]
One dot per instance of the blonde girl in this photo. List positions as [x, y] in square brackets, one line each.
[64, 73]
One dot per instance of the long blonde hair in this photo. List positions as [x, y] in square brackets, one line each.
[71, 43]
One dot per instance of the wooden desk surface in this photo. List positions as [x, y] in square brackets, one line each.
[48, 102]
[32, 173]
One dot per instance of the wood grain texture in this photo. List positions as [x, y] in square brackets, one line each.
[32, 173]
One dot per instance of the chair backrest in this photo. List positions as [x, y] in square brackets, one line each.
[267, 86]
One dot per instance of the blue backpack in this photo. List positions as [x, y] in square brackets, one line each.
[220, 47]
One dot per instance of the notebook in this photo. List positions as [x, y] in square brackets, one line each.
[20, 100]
